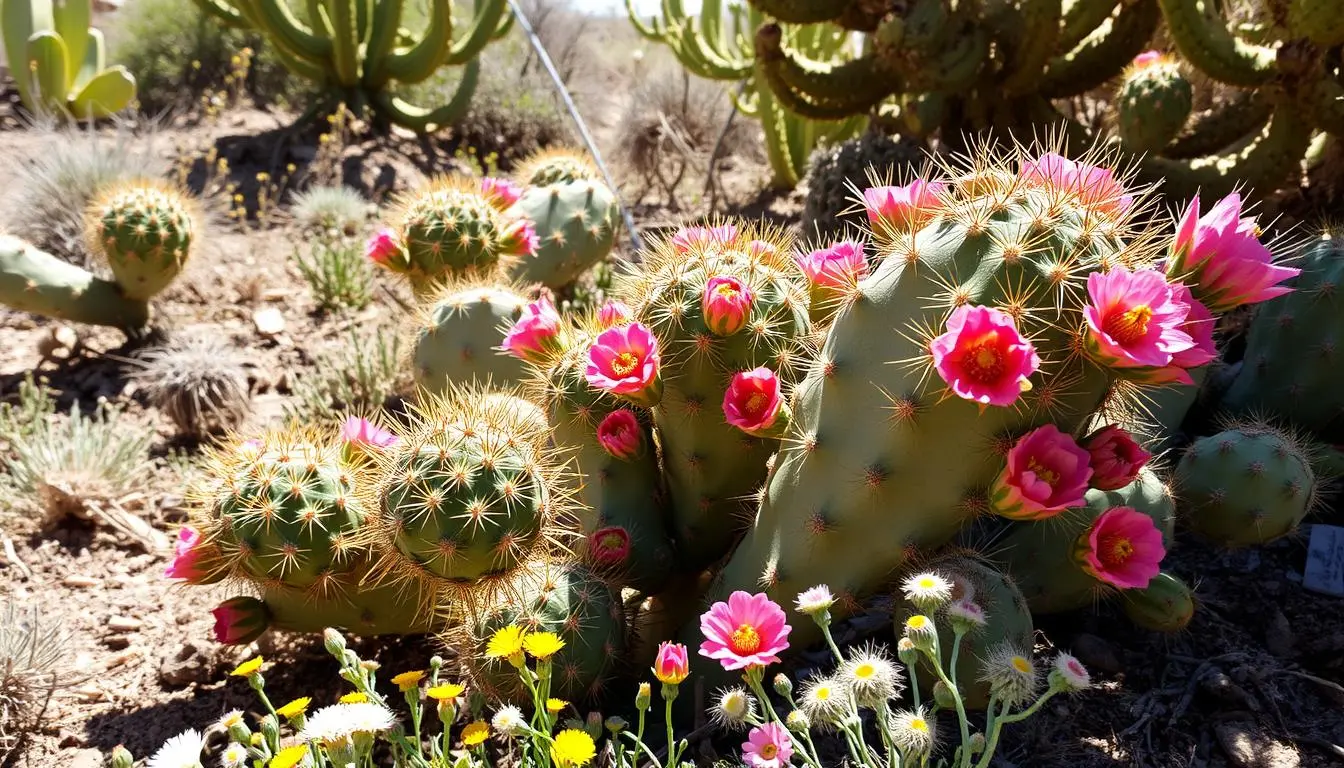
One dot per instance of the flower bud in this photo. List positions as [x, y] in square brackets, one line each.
[644, 697]
[798, 722]
[942, 694]
[977, 744]
[593, 727]
[726, 305]
[616, 724]
[121, 757]
[783, 685]
[906, 651]
[920, 631]
[270, 728]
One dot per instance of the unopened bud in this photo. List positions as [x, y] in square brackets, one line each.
[333, 641]
[644, 697]
[121, 757]
[977, 743]
[616, 724]
[783, 685]
[270, 728]
[906, 651]
[594, 725]
[798, 722]
[942, 694]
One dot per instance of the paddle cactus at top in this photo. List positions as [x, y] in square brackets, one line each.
[144, 228]
[58, 61]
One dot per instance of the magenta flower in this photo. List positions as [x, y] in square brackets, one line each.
[1148, 58]
[240, 620]
[1199, 326]
[187, 554]
[760, 249]
[519, 238]
[501, 193]
[699, 238]
[726, 305]
[1134, 320]
[535, 334]
[904, 209]
[673, 663]
[1095, 187]
[837, 267]
[609, 546]
[1116, 458]
[624, 361]
[383, 247]
[614, 313]
[753, 403]
[746, 631]
[1221, 256]
[363, 433]
[1123, 548]
[620, 435]
[982, 357]
[768, 746]
[1046, 474]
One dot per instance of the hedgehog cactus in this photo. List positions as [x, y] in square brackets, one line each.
[574, 214]
[457, 336]
[1153, 103]
[144, 229]
[720, 302]
[1165, 605]
[1246, 485]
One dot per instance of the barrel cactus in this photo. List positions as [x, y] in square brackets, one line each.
[457, 335]
[144, 228]
[1153, 102]
[574, 213]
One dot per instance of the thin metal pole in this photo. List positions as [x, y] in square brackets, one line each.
[587, 137]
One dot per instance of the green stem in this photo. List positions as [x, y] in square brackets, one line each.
[962, 722]
[673, 749]
[754, 680]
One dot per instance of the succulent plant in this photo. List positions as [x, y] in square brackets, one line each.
[59, 62]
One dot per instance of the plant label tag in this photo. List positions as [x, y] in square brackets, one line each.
[1325, 560]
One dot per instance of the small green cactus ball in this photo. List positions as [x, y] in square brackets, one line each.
[144, 228]
[556, 166]
[1153, 103]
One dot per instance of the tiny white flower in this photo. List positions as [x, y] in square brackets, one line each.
[337, 723]
[914, 732]
[927, 590]
[1069, 674]
[815, 600]
[231, 719]
[235, 756]
[181, 751]
[969, 614]
[871, 676]
[733, 709]
[508, 721]
[825, 700]
[1011, 675]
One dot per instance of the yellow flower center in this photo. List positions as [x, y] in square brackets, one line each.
[1043, 473]
[769, 751]
[1021, 665]
[1118, 550]
[624, 364]
[612, 542]
[917, 621]
[1130, 326]
[823, 694]
[745, 640]
[919, 724]
[727, 290]
[756, 403]
[984, 362]
[864, 671]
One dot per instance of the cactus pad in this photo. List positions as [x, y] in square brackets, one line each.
[1153, 103]
[457, 336]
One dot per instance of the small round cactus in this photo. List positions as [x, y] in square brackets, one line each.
[1153, 102]
[1165, 605]
[144, 228]
[457, 336]
[1247, 485]
[556, 166]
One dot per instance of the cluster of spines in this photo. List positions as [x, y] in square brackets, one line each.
[145, 229]
[454, 336]
[449, 227]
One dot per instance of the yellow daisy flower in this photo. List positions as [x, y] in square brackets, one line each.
[289, 757]
[555, 706]
[573, 748]
[445, 692]
[407, 681]
[475, 734]
[248, 668]
[543, 645]
[354, 697]
[505, 643]
[294, 708]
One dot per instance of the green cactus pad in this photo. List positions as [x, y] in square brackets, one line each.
[1165, 605]
[144, 229]
[457, 337]
[1153, 103]
[1245, 486]
[362, 609]
[576, 225]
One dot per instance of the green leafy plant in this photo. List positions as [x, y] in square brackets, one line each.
[361, 375]
[59, 62]
[336, 272]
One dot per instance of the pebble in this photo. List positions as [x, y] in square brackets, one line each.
[124, 624]
[185, 666]
[1279, 638]
[79, 581]
[117, 642]
[1246, 747]
[269, 321]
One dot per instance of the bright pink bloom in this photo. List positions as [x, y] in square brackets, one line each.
[673, 663]
[837, 267]
[624, 361]
[1123, 548]
[726, 305]
[614, 313]
[609, 546]
[1134, 320]
[1220, 254]
[699, 238]
[240, 620]
[501, 193]
[768, 746]
[1199, 326]
[362, 432]
[1116, 458]
[534, 334]
[520, 238]
[620, 435]
[1095, 187]
[1046, 474]
[904, 209]
[753, 402]
[186, 562]
[982, 357]
[746, 631]
[383, 246]
[1148, 57]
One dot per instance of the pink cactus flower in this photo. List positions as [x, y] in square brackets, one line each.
[186, 562]
[364, 433]
[1199, 326]
[383, 247]
[904, 209]
[609, 546]
[760, 249]
[837, 267]
[753, 402]
[673, 663]
[1116, 458]
[726, 305]
[768, 746]
[501, 193]
[746, 631]
[620, 435]
[520, 238]
[1221, 256]
[982, 357]
[1134, 319]
[624, 361]
[1096, 188]
[1148, 58]
[699, 238]
[1123, 548]
[240, 620]
[535, 334]
[614, 313]
[1046, 474]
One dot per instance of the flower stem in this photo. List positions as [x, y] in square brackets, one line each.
[754, 680]
[962, 723]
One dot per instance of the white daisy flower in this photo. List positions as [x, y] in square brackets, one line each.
[508, 721]
[733, 709]
[921, 632]
[337, 723]
[235, 756]
[815, 600]
[915, 733]
[927, 591]
[231, 719]
[1069, 674]
[1011, 675]
[181, 751]
[871, 677]
[825, 700]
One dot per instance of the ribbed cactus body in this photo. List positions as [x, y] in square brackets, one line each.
[576, 224]
[1321, 21]
[365, 610]
[144, 229]
[448, 229]
[556, 166]
[1165, 605]
[1153, 103]
[1245, 486]
[457, 338]
[714, 469]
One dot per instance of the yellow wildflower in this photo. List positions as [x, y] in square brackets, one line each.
[505, 643]
[248, 668]
[555, 706]
[289, 756]
[475, 734]
[543, 645]
[445, 692]
[407, 681]
[354, 697]
[572, 748]
[294, 708]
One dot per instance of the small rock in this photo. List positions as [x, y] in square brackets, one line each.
[124, 624]
[117, 642]
[185, 666]
[90, 693]
[269, 321]
[59, 344]
[78, 581]
[84, 758]
[1246, 747]
[1096, 654]
[1279, 638]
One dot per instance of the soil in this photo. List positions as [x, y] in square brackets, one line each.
[1257, 680]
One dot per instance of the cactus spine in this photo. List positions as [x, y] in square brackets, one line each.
[457, 336]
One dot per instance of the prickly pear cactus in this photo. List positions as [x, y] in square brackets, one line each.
[714, 469]
[457, 336]
[1153, 103]
[1295, 347]
[1246, 485]
[144, 228]
[575, 222]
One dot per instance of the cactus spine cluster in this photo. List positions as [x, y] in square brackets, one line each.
[574, 214]
[456, 337]
[58, 61]
[1153, 103]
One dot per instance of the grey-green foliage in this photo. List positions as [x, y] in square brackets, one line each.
[337, 273]
[327, 209]
[34, 663]
[361, 375]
